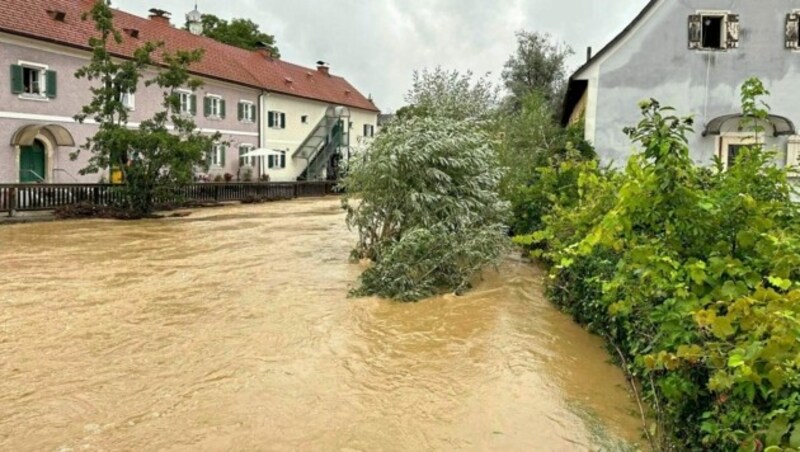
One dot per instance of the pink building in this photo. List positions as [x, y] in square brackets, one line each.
[44, 42]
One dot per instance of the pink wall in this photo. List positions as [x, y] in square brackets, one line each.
[73, 94]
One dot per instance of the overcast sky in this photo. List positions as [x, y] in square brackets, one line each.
[377, 44]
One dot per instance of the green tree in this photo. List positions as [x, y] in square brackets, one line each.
[538, 66]
[243, 33]
[450, 94]
[165, 149]
[423, 196]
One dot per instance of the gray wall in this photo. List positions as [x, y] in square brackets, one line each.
[656, 62]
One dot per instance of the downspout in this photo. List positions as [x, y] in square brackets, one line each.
[262, 131]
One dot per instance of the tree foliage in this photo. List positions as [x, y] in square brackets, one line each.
[424, 199]
[450, 94]
[538, 66]
[243, 33]
[692, 275]
[537, 154]
[165, 149]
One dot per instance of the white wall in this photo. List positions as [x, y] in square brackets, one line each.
[290, 138]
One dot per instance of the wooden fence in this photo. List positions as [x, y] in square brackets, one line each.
[31, 197]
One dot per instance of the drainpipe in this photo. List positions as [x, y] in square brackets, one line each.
[262, 131]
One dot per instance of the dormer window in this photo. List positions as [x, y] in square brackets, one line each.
[58, 16]
[714, 30]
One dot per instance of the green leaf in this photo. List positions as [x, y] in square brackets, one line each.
[722, 328]
[735, 361]
[776, 430]
[794, 440]
[780, 283]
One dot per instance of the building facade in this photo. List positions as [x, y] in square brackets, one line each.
[694, 55]
[263, 107]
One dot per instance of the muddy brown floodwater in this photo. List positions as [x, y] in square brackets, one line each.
[231, 330]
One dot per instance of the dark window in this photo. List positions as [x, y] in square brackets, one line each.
[304, 119]
[712, 32]
[733, 151]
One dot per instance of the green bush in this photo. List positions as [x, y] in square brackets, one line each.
[693, 276]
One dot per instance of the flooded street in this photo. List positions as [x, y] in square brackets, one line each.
[231, 330]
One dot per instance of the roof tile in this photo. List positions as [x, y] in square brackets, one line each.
[221, 61]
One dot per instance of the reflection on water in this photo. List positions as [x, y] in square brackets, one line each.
[231, 330]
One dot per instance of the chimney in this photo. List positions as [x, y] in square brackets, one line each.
[264, 50]
[588, 53]
[323, 68]
[159, 15]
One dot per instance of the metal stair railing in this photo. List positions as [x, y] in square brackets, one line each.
[320, 160]
[311, 145]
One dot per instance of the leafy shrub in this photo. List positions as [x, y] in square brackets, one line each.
[692, 276]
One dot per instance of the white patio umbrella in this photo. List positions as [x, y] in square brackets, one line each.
[263, 152]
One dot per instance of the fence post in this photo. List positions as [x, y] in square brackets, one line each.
[216, 193]
[95, 195]
[12, 201]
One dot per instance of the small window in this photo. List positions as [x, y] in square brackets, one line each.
[187, 101]
[247, 111]
[304, 119]
[276, 161]
[33, 81]
[733, 152]
[369, 130]
[276, 120]
[243, 150]
[714, 31]
[214, 107]
[217, 158]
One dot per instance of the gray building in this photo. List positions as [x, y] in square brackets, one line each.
[694, 55]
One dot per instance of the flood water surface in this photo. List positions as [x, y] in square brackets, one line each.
[232, 330]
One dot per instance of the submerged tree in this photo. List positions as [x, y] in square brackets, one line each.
[151, 157]
[424, 200]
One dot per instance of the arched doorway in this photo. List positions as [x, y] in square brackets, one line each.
[32, 163]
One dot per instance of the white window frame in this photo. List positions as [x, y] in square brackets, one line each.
[369, 128]
[42, 70]
[723, 39]
[735, 139]
[249, 112]
[277, 124]
[128, 100]
[186, 108]
[216, 155]
[215, 106]
[276, 160]
[248, 161]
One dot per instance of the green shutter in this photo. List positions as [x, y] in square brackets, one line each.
[222, 108]
[52, 84]
[206, 107]
[193, 104]
[222, 155]
[283, 120]
[241, 111]
[254, 112]
[208, 157]
[241, 153]
[17, 85]
[271, 120]
[283, 160]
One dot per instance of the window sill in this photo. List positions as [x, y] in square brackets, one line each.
[34, 97]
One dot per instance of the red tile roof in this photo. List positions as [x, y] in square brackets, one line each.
[30, 18]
